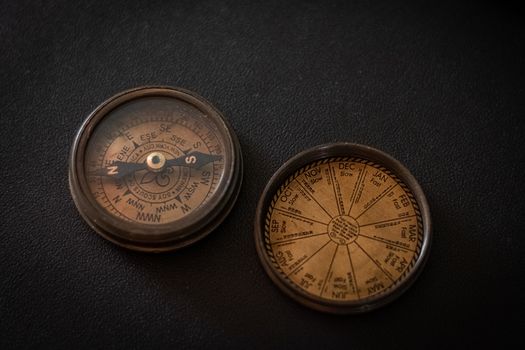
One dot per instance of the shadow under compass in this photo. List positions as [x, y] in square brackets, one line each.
[220, 272]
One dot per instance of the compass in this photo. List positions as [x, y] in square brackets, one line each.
[155, 168]
[343, 228]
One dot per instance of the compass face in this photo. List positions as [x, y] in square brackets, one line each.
[155, 168]
[341, 232]
[136, 130]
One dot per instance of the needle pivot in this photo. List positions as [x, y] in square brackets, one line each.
[156, 162]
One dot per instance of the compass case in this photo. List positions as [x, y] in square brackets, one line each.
[192, 226]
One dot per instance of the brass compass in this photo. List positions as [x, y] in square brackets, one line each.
[343, 228]
[155, 168]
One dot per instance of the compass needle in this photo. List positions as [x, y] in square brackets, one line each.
[121, 169]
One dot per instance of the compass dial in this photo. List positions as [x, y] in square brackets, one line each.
[152, 195]
[342, 233]
[155, 168]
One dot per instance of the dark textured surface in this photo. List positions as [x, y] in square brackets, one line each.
[437, 85]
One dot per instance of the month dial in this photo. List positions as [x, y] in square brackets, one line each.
[342, 228]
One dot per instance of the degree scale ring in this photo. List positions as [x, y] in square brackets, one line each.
[343, 228]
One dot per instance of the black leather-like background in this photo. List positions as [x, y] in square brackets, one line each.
[438, 85]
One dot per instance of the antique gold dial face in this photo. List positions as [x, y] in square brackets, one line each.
[153, 166]
[342, 230]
